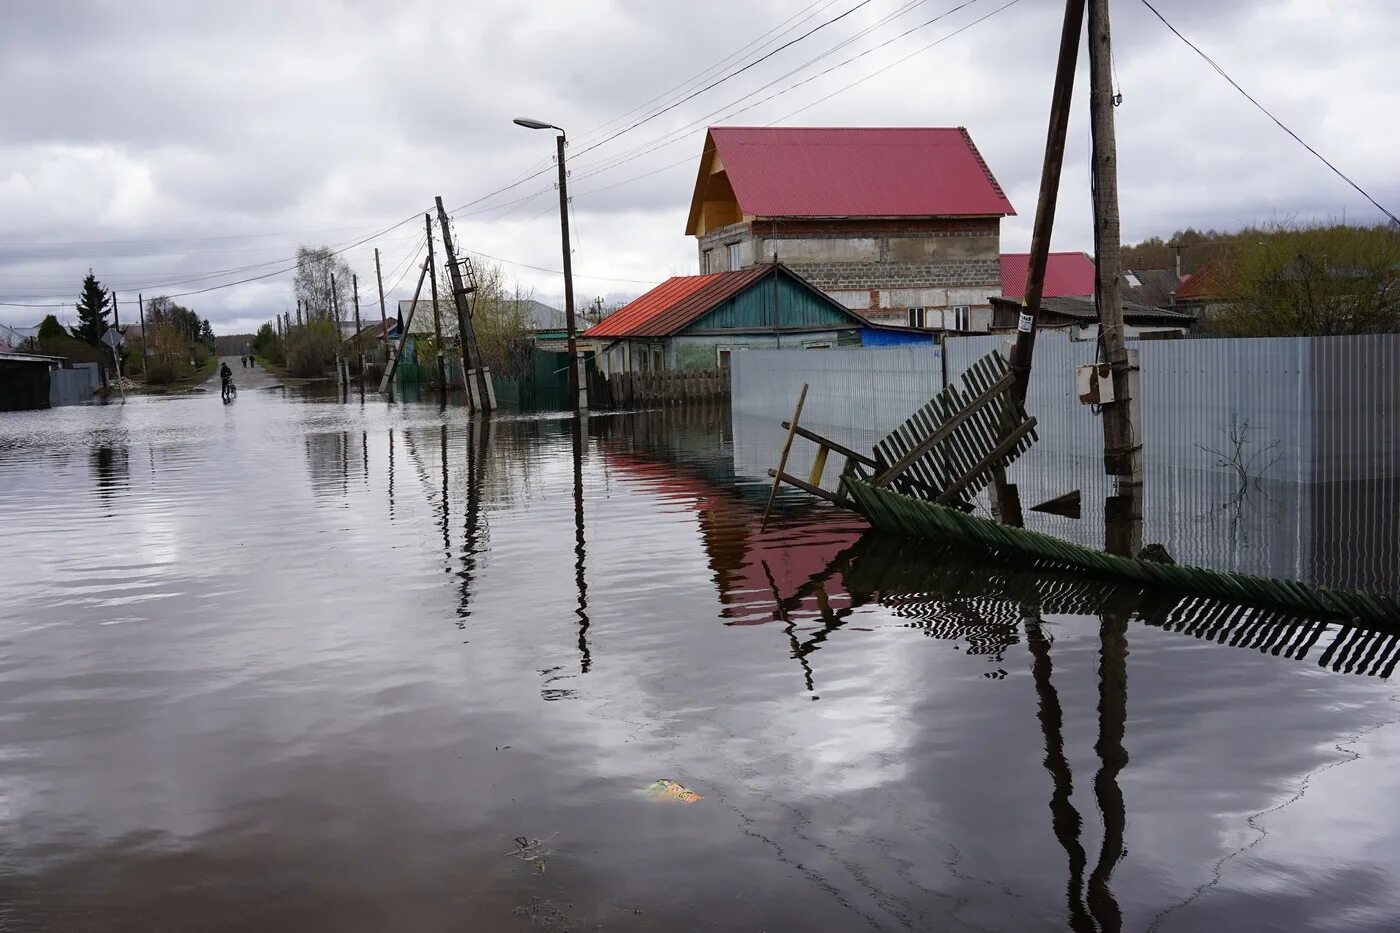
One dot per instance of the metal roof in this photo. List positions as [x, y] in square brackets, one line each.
[857, 172]
[1067, 275]
[675, 303]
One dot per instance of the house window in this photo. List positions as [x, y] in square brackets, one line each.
[723, 355]
[733, 256]
[962, 318]
[657, 359]
[916, 317]
[817, 345]
[707, 262]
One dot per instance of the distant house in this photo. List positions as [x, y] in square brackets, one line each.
[422, 323]
[692, 322]
[1206, 288]
[900, 224]
[1067, 275]
[1079, 314]
[13, 339]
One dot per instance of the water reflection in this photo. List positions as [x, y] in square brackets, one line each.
[111, 469]
[885, 735]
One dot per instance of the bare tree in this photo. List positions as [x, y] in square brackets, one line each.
[315, 266]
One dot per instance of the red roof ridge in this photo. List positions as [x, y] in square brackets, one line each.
[977, 154]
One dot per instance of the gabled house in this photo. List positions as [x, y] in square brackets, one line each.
[900, 224]
[697, 322]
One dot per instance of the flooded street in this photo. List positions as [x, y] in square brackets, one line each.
[295, 663]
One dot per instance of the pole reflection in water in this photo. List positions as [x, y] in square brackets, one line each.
[391, 473]
[479, 442]
[446, 535]
[1064, 818]
[577, 431]
[1113, 758]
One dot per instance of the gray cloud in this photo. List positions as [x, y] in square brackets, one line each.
[171, 124]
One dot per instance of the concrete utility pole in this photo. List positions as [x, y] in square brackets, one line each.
[475, 376]
[578, 390]
[1122, 445]
[437, 317]
[298, 312]
[1060, 99]
[145, 338]
[359, 338]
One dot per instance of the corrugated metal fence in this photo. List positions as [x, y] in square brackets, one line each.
[854, 393]
[73, 386]
[1312, 423]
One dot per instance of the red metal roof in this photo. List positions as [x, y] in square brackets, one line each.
[1209, 281]
[1067, 275]
[675, 303]
[857, 172]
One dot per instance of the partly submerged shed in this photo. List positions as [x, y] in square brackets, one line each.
[699, 321]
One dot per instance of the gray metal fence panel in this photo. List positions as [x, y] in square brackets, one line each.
[74, 386]
[854, 393]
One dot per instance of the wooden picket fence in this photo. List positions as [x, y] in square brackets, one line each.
[628, 390]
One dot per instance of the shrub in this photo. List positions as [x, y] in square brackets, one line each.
[310, 349]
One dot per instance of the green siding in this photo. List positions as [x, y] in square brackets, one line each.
[752, 310]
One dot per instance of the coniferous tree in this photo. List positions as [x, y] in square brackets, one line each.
[49, 328]
[92, 311]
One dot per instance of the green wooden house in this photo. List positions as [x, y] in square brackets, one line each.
[693, 322]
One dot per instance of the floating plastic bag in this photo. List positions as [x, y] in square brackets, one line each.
[669, 790]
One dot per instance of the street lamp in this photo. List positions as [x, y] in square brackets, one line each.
[578, 389]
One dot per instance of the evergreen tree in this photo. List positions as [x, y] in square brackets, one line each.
[49, 328]
[92, 311]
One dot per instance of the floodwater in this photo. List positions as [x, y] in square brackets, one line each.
[301, 664]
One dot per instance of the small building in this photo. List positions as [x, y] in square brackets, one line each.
[1079, 314]
[24, 381]
[697, 322]
[900, 224]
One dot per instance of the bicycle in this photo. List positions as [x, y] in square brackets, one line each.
[230, 391]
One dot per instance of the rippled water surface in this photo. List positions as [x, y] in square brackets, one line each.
[299, 664]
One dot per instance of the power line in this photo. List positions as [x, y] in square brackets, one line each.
[732, 74]
[1264, 110]
[255, 278]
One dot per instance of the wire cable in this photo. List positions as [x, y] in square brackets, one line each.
[1265, 111]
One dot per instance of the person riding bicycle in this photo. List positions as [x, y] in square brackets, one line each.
[226, 377]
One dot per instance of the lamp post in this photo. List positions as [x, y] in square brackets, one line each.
[578, 389]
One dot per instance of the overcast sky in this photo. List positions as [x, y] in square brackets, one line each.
[164, 143]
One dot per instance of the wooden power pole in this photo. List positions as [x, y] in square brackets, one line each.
[1122, 443]
[1060, 99]
[145, 337]
[475, 377]
[437, 317]
[359, 337]
[1122, 451]
[335, 322]
[383, 319]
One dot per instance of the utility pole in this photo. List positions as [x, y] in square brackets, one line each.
[437, 317]
[116, 347]
[396, 353]
[578, 391]
[359, 337]
[335, 322]
[1122, 447]
[298, 312]
[145, 338]
[476, 378]
[1024, 351]
[383, 319]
